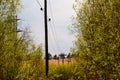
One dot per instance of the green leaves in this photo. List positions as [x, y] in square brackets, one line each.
[14, 47]
[98, 21]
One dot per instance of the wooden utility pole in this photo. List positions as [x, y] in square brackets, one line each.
[46, 37]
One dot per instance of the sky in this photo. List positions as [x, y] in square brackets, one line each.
[60, 12]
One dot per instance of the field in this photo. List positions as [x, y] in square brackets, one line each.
[60, 61]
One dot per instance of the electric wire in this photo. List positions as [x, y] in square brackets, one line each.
[39, 3]
[52, 41]
[55, 41]
[41, 8]
[52, 24]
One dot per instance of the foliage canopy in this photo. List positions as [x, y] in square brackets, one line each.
[98, 39]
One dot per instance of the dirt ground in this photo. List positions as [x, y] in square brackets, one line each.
[60, 61]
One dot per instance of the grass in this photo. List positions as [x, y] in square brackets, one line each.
[61, 71]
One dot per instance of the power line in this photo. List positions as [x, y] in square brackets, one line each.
[53, 27]
[52, 42]
[53, 30]
[54, 38]
[39, 3]
[41, 8]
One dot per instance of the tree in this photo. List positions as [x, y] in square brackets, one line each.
[98, 32]
[62, 56]
[55, 57]
[19, 57]
[69, 57]
[49, 56]
[33, 67]
[8, 38]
